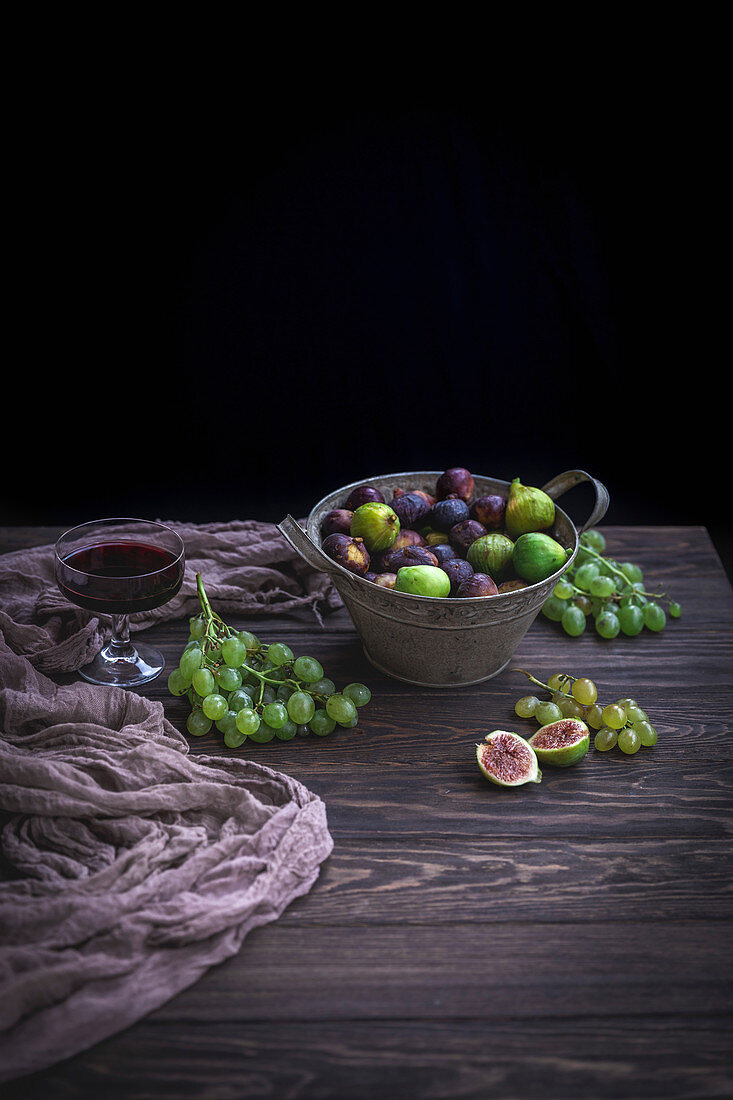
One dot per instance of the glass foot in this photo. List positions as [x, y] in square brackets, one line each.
[133, 666]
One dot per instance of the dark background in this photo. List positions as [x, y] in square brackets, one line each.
[232, 312]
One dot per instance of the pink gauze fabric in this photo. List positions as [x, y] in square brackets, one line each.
[128, 866]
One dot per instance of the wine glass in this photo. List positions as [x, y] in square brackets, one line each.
[117, 567]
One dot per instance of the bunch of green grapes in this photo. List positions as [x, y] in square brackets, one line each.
[249, 689]
[609, 592]
[622, 723]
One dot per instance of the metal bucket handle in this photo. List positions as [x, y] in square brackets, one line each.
[303, 544]
[562, 482]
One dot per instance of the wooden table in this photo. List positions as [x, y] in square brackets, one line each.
[568, 939]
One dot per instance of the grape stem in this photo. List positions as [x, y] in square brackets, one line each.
[619, 573]
[565, 676]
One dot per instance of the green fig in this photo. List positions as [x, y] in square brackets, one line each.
[537, 556]
[377, 524]
[527, 509]
[422, 580]
[561, 743]
[508, 760]
[491, 554]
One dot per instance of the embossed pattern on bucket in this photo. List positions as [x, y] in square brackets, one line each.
[440, 642]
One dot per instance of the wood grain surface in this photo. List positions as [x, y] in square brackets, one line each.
[567, 939]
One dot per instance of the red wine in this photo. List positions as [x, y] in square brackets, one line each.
[119, 578]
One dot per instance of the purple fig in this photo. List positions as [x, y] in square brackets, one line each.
[393, 560]
[351, 553]
[386, 580]
[337, 522]
[407, 537]
[489, 510]
[447, 513]
[457, 480]
[363, 494]
[480, 584]
[458, 570]
[443, 552]
[463, 534]
[410, 508]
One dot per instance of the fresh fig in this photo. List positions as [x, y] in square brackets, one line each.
[386, 580]
[457, 570]
[561, 743]
[447, 513]
[537, 556]
[480, 584]
[512, 586]
[347, 551]
[423, 580]
[408, 538]
[464, 533]
[337, 522]
[508, 760]
[363, 494]
[410, 509]
[420, 492]
[491, 553]
[376, 524]
[489, 510]
[456, 480]
[443, 551]
[391, 561]
[370, 576]
[527, 509]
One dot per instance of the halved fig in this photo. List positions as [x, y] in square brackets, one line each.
[508, 760]
[561, 743]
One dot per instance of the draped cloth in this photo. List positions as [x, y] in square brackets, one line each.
[129, 867]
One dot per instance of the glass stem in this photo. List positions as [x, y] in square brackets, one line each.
[120, 648]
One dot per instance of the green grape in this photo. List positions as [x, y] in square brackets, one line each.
[213, 653]
[250, 641]
[569, 707]
[233, 738]
[629, 741]
[573, 621]
[322, 687]
[585, 691]
[675, 609]
[239, 699]
[586, 574]
[284, 692]
[341, 708]
[203, 682]
[647, 733]
[605, 739]
[197, 723]
[563, 590]
[308, 669]
[197, 626]
[594, 716]
[585, 603]
[301, 708]
[626, 702]
[654, 616]
[631, 620]
[227, 723]
[215, 706]
[559, 681]
[304, 731]
[234, 652]
[229, 679]
[274, 715]
[634, 713]
[595, 540]
[322, 723]
[287, 732]
[614, 716]
[602, 587]
[526, 706]
[269, 695]
[553, 608]
[248, 721]
[190, 661]
[177, 682]
[607, 624]
[279, 654]
[358, 693]
[632, 572]
[262, 734]
[548, 712]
